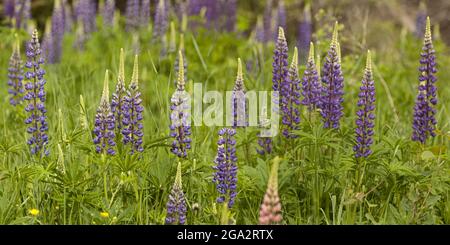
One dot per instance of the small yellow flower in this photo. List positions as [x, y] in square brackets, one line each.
[34, 212]
[104, 214]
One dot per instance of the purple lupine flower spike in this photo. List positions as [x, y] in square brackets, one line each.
[104, 136]
[230, 12]
[365, 114]
[180, 129]
[22, 13]
[145, 14]
[304, 31]
[280, 64]
[331, 102]
[421, 19]
[281, 15]
[108, 13]
[118, 97]
[67, 16]
[311, 86]
[85, 11]
[239, 103]
[226, 168]
[35, 96]
[132, 15]
[291, 113]
[259, 30]
[132, 115]
[424, 123]
[161, 20]
[57, 32]
[176, 205]
[15, 75]
[268, 21]
[9, 8]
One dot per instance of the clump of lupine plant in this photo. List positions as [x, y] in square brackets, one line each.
[145, 13]
[304, 31]
[267, 22]
[185, 62]
[331, 102]
[57, 33]
[104, 124]
[281, 15]
[239, 104]
[424, 123]
[132, 15]
[15, 75]
[365, 115]
[176, 205]
[291, 99]
[118, 97]
[270, 211]
[132, 115]
[180, 129]
[108, 13]
[35, 97]
[310, 85]
[226, 168]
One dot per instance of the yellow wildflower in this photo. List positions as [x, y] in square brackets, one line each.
[104, 214]
[34, 212]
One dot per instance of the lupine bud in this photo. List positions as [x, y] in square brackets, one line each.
[180, 129]
[132, 15]
[36, 97]
[185, 62]
[132, 114]
[108, 13]
[80, 36]
[291, 99]
[176, 205]
[239, 103]
[83, 119]
[104, 136]
[311, 86]
[15, 75]
[424, 123]
[270, 211]
[225, 166]
[118, 97]
[365, 114]
[331, 102]
[67, 16]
